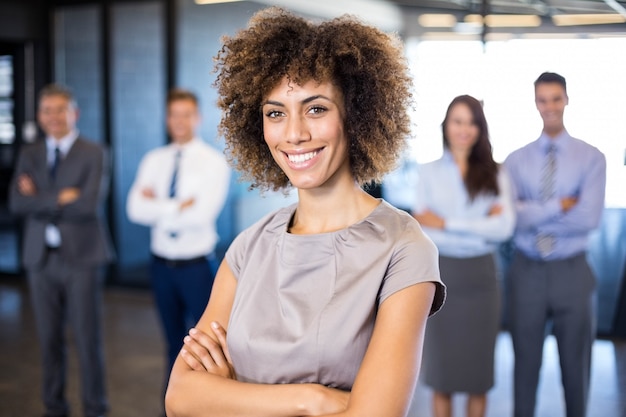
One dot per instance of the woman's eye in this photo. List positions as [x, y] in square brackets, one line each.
[317, 110]
[272, 114]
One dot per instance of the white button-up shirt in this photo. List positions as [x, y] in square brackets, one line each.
[469, 229]
[203, 175]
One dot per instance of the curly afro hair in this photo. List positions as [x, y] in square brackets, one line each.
[366, 64]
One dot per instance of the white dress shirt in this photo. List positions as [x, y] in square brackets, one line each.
[469, 230]
[203, 175]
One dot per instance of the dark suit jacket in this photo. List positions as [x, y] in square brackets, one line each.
[84, 239]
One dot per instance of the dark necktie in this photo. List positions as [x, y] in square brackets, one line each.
[172, 192]
[545, 242]
[55, 163]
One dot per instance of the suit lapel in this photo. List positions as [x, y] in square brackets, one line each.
[40, 160]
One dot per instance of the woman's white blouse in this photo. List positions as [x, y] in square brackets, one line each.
[469, 230]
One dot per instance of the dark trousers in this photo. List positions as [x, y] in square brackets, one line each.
[64, 291]
[181, 291]
[560, 293]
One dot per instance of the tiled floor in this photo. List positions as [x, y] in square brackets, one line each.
[607, 397]
[134, 355]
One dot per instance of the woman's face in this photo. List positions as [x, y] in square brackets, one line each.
[303, 128]
[461, 131]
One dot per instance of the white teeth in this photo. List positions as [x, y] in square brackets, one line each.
[302, 157]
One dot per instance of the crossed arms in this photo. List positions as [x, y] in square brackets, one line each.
[203, 380]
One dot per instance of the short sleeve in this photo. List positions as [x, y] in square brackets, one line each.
[415, 260]
[235, 253]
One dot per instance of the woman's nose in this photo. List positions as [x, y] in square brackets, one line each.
[297, 130]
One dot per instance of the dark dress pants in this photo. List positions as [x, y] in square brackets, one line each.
[181, 292]
[64, 292]
[561, 293]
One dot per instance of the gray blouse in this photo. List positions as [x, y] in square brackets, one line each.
[305, 305]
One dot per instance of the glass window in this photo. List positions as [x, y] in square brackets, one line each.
[502, 74]
[7, 124]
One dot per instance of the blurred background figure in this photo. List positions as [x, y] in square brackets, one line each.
[58, 187]
[179, 192]
[559, 185]
[464, 204]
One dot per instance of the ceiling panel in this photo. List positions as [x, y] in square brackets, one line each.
[540, 7]
[574, 17]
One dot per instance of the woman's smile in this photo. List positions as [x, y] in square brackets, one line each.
[301, 160]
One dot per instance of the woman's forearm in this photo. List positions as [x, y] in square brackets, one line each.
[201, 394]
[193, 393]
[388, 375]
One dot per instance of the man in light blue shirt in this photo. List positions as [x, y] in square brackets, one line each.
[558, 185]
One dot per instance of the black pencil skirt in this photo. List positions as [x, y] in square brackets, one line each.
[460, 339]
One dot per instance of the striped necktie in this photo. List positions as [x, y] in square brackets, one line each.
[545, 242]
[548, 174]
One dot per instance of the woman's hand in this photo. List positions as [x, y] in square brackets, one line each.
[495, 210]
[205, 353]
[326, 400]
[429, 219]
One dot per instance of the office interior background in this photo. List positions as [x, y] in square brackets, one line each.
[121, 56]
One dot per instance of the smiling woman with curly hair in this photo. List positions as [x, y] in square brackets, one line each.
[324, 301]
[366, 64]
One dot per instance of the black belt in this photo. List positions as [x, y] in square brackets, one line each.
[174, 263]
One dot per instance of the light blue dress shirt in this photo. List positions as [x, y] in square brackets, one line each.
[469, 230]
[580, 173]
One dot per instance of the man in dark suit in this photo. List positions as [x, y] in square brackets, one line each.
[58, 187]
